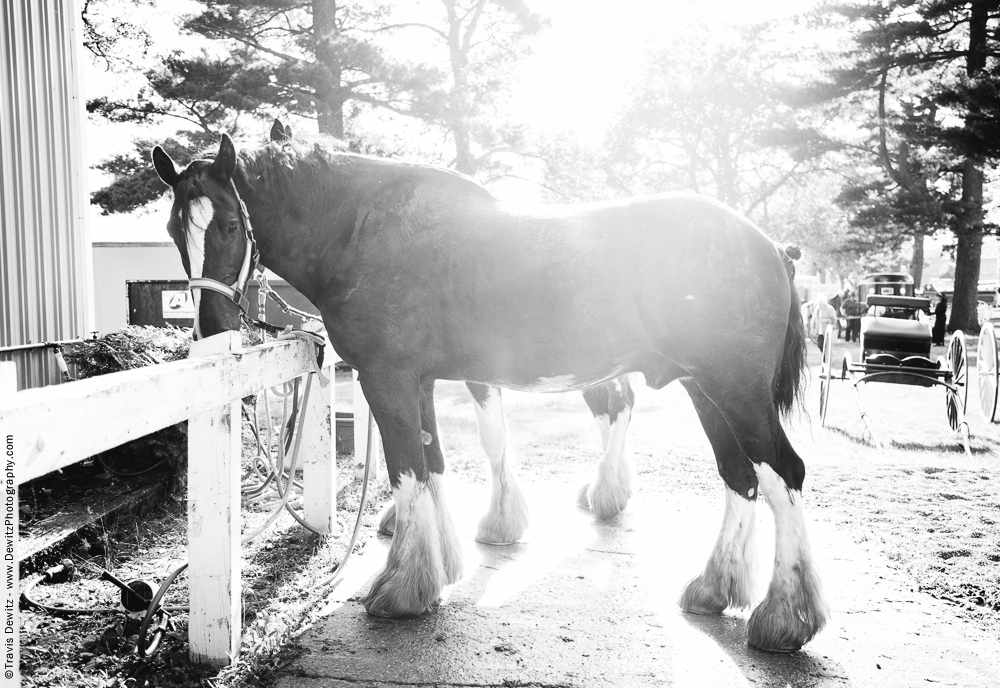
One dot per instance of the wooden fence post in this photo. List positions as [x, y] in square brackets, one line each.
[214, 447]
[318, 454]
[361, 433]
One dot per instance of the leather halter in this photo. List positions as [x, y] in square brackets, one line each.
[235, 292]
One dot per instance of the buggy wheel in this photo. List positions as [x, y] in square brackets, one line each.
[958, 364]
[845, 366]
[987, 369]
[825, 374]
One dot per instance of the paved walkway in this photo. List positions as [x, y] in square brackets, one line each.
[580, 603]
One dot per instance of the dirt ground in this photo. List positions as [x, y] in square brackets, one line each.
[922, 505]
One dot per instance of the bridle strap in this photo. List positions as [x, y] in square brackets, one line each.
[235, 292]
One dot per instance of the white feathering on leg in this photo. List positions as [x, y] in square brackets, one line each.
[414, 573]
[507, 517]
[793, 610]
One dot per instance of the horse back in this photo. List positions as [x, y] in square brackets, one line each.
[476, 289]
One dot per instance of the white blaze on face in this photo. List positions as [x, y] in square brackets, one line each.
[200, 213]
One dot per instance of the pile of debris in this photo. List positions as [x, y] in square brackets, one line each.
[130, 348]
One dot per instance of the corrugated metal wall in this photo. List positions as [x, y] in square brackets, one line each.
[45, 276]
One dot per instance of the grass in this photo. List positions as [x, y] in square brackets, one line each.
[922, 505]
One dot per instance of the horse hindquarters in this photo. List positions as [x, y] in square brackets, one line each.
[425, 554]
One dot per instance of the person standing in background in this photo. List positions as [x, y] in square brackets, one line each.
[825, 315]
[940, 313]
[836, 302]
[853, 312]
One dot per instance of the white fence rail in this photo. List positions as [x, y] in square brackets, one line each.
[57, 426]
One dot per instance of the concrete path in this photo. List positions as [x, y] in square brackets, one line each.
[581, 603]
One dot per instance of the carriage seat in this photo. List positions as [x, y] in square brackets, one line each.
[894, 328]
[895, 336]
[914, 303]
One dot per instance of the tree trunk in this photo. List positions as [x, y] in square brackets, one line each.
[917, 261]
[465, 161]
[969, 229]
[968, 253]
[330, 97]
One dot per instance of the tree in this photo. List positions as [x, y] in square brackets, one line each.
[111, 35]
[902, 200]
[939, 59]
[261, 58]
[477, 42]
[705, 117]
[329, 61]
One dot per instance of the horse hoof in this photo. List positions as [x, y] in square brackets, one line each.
[606, 500]
[582, 500]
[775, 627]
[698, 598]
[387, 522]
[403, 594]
[507, 518]
[491, 532]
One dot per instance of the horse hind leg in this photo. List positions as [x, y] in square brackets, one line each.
[728, 578]
[507, 517]
[793, 610]
[607, 494]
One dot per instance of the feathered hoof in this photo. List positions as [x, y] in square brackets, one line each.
[387, 521]
[403, 593]
[700, 598]
[606, 500]
[504, 524]
[776, 625]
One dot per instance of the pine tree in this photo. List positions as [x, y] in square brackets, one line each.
[915, 67]
[327, 60]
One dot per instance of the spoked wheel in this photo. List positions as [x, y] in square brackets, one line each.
[958, 363]
[845, 366]
[825, 374]
[987, 369]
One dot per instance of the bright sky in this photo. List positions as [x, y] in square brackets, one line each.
[576, 80]
[582, 66]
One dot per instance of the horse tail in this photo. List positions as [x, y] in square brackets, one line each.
[789, 378]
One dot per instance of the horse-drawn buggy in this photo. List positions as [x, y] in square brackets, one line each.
[895, 347]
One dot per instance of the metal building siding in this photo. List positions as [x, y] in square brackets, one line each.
[45, 280]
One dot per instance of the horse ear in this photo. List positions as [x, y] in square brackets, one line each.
[165, 167]
[277, 131]
[225, 161]
[288, 133]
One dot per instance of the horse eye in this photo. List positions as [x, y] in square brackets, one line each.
[233, 226]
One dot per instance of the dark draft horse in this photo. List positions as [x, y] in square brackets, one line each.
[422, 274]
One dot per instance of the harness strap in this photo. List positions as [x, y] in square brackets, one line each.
[235, 292]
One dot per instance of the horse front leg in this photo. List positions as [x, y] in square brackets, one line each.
[608, 492]
[424, 555]
[507, 517]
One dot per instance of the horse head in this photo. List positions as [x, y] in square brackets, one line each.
[211, 228]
